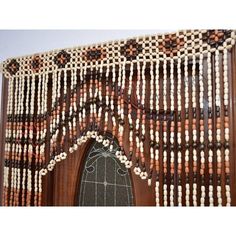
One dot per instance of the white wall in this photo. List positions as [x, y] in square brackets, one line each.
[15, 43]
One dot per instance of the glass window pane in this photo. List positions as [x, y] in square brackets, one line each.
[105, 181]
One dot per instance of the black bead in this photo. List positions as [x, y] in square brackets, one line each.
[210, 145]
[227, 180]
[226, 144]
[152, 143]
[202, 146]
[187, 179]
[195, 145]
[218, 145]
[122, 122]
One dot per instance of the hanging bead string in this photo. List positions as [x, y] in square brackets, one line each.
[8, 142]
[151, 122]
[80, 105]
[74, 114]
[41, 144]
[62, 155]
[137, 169]
[43, 135]
[10, 133]
[202, 139]
[17, 146]
[112, 107]
[186, 132]
[30, 146]
[15, 132]
[106, 142]
[26, 137]
[226, 127]
[71, 114]
[118, 152]
[210, 132]
[194, 129]
[38, 131]
[57, 117]
[22, 138]
[179, 138]
[218, 127]
[15, 153]
[95, 103]
[53, 120]
[80, 109]
[90, 88]
[164, 161]
[128, 163]
[56, 120]
[157, 137]
[20, 151]
[172, 140]
[143, 173]
[84, 105]
[122, 157]
[99, 137]
[49, 167]
[14, 148]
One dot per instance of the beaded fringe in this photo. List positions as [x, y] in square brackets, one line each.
[173, 141]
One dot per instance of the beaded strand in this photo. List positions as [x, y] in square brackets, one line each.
[218, 128]
[186, 132]
[137, 169]
[8, 143]
[194, 130]
[202, 140]
[179, 138]
[143, 173]
[157, 137]
[226, 127]
[128, 163]
[152, 138]
[210, 132]
[164, 161]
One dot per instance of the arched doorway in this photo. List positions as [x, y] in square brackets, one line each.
[104, 180]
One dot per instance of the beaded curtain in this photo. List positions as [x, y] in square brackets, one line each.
[178, 128]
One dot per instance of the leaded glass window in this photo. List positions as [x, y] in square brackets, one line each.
[105, 181]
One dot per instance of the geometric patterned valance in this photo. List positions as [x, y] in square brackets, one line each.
[156, 47]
